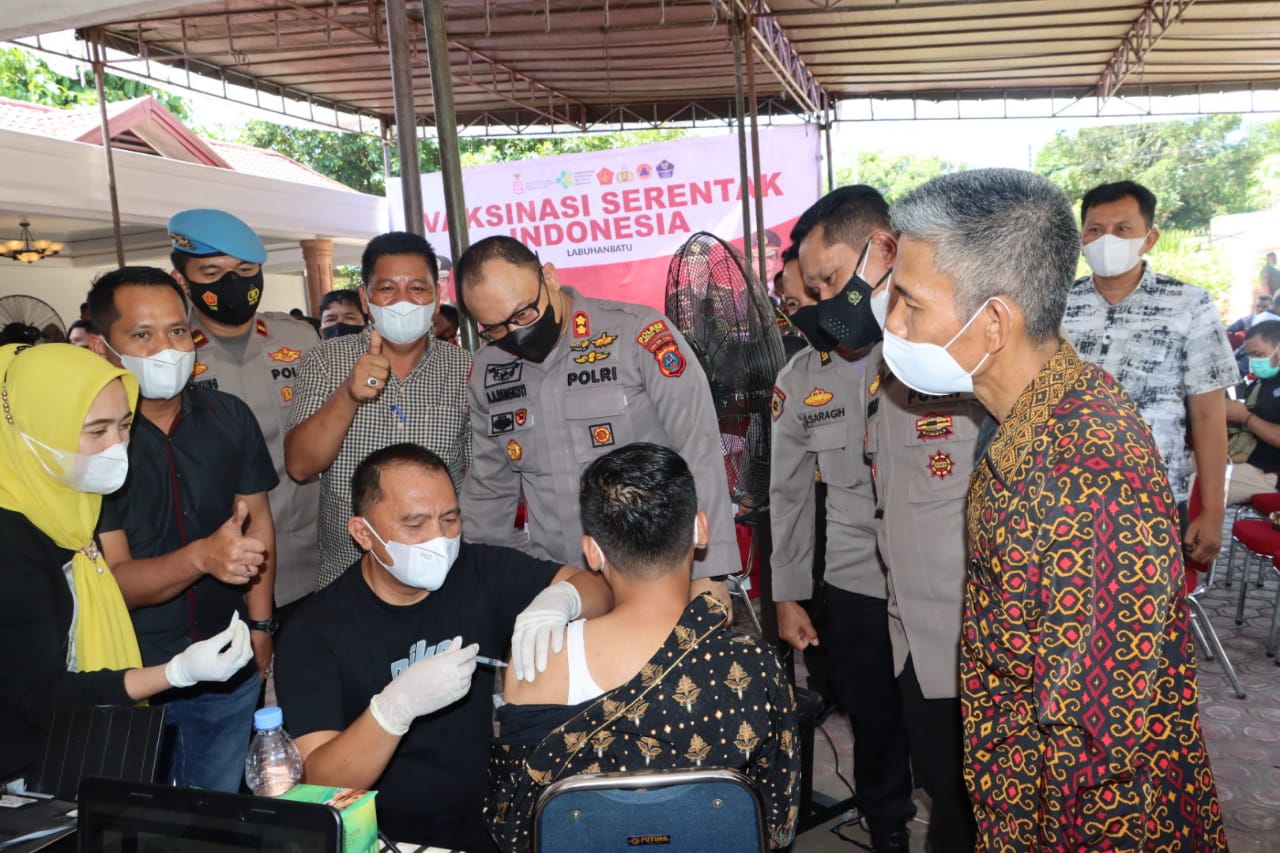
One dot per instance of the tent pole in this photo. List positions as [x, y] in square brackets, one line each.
[406, 118]
[741, 110]
[455, 202]
[98, 72]
[831, 166]
[762, 262]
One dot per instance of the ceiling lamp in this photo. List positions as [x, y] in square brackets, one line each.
[28, 250]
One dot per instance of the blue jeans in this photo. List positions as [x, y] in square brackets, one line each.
[210, 733]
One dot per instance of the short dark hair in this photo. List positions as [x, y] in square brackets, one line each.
[366, 482]
[639, 503]
[350, 297]
[81, 324]
[847, 215]
[466, 272]
[102, 295]
[398, 243]
[1268, 330]
[791, 253]
[1265, 297]
[1103, 193]
[449, 312]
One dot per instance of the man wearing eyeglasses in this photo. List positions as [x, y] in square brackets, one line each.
[391, 383]
[565, 379]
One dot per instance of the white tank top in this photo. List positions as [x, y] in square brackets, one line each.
[582, 687]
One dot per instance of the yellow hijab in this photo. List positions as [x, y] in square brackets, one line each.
[46, 394]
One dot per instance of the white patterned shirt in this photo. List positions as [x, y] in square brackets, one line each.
[428, 407]
[1163, 343]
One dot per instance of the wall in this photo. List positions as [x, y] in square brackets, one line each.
[65, 287]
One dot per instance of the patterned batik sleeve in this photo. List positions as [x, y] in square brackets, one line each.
[1209, 364]
[1108, 557]
[776, 772]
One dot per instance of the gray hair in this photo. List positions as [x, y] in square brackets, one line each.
[998, 232]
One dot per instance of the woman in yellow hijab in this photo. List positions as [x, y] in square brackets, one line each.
[67, 638]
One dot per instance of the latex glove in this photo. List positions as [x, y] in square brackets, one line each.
[215, 659]
[541, 625]
[425, 687]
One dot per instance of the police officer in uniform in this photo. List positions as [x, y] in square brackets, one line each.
[566, 378]
[920, 449]
[254, 355]
[819, 424]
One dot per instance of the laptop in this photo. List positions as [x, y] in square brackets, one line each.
[133, 817]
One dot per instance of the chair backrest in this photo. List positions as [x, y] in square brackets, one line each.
[1193, 569]
[677, 810]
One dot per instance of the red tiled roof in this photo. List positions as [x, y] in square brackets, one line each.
[82, 124]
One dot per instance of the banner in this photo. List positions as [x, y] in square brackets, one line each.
[610, 220]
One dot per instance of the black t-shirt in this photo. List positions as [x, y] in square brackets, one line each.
[1266, 405]
[344, 646]
[35, 625]
[181, 488]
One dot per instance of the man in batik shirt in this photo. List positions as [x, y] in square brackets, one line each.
[1077, 675]
[660, 682]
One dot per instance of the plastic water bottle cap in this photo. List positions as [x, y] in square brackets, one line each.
[270, 717]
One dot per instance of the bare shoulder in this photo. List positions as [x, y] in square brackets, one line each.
[547, 688]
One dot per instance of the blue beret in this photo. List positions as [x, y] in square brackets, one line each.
[215, 232]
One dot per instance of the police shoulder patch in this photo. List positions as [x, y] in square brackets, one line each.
[198, 338]
[776, 404]
[262, 327]
[581, 324]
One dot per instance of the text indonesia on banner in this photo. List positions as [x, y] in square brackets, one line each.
[611, 220]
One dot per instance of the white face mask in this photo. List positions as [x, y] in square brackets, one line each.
[880, 304]
[403, 322]
[92, 473]
[161, 376]
[1110, 255]
[421, 566]
[929, 368]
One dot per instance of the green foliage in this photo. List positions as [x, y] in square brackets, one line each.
[356, 159]
[26, 77]
[1193, 258]
[1198, 169]
[895, 175]
[353, 159]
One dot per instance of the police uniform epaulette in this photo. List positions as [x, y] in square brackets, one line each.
[262, 327]
[198, 338]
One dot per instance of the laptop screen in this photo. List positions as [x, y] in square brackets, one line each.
[122, 817]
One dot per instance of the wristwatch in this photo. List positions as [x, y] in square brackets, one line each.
[268, 626]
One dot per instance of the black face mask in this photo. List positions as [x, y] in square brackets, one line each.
[847, 316]
[805, 319]
[232, 299]
[337, 330]
[535, 341]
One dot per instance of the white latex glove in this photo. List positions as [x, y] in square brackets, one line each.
[425, 687]
[207, 660]
[541, 625]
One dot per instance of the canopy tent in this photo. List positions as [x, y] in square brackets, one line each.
[594, 64]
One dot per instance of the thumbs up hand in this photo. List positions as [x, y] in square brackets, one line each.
[228, 554]
[369, 375]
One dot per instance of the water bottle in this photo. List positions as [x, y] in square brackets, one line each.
[273, 764]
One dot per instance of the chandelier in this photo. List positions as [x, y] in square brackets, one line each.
[26, 249]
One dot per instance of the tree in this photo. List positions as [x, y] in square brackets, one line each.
[356, 159]
[1198, 169]
[895, 175]
[26, 77]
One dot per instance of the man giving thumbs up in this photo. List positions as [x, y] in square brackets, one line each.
[190, 536]
[391, 383]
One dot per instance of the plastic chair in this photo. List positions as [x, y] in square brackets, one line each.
[685, 810]
[1273, 638]
[1259, 506]
[1261, 541]
[1197, 580]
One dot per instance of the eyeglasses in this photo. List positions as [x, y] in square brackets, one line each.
[521, 318]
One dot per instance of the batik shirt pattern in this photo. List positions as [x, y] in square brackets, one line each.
[1163, 343]
[710, 698]
[1078, 682]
